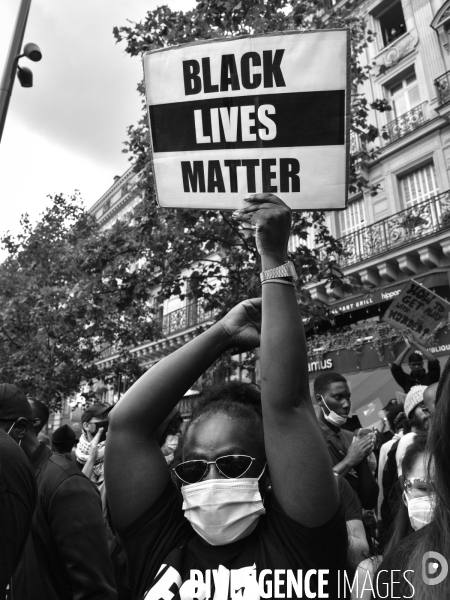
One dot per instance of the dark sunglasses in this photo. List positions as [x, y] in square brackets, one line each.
[231, 467]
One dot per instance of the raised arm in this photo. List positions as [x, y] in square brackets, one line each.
[299, 464]
[131, 446]
[401, 357]
[427, 354]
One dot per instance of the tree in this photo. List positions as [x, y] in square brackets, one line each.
[68, 292]
[181, 238]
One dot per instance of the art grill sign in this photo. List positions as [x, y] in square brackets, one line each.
[251, 114]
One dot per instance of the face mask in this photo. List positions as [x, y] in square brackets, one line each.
[333, 417]
[105, 425]
[222, 511]
[420, 511]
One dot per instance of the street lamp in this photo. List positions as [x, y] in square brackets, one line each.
[24, 74]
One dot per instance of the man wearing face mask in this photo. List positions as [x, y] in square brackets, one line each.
[67, 526]
[348, 452]
[90, 450]
[418, 375]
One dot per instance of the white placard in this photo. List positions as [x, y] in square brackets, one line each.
[266, 113]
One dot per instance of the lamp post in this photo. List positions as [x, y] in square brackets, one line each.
[31, 51]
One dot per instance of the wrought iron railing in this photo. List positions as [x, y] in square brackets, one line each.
[183, 318]
[352, 338]
[406, 123]
[404, 227]
[442, 84]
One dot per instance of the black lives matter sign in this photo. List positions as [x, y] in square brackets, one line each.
[417, 311]
[251, 114]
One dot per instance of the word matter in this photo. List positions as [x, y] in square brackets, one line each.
[208, 176]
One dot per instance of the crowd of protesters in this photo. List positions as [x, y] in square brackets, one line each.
[263, 493]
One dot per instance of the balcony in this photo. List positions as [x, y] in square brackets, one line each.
[406, 123]
[377, 334]
[409, 225]
[442, 85]
[184, 318]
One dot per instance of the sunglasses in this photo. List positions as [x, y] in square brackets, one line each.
[233, 466]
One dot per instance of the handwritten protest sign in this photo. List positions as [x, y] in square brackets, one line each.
[266, 113]
[417, 311]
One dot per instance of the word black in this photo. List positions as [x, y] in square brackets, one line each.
[231, 77]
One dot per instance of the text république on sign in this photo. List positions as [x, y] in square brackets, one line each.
[264, 113]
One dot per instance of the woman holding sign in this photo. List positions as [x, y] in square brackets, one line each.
[219, 533]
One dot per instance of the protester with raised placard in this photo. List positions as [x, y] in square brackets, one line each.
[418, 375]
[224, 525]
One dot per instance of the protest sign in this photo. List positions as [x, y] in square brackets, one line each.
[264, 113]
[417, 311]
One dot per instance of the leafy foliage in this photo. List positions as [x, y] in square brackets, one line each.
[67, 293]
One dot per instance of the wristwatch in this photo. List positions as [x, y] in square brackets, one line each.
[285, 270]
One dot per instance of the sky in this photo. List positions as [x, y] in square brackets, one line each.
[66, 133]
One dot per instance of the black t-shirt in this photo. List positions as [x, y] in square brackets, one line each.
[162, 549]
[353, 509]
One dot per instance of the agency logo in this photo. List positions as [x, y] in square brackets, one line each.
[434, 568]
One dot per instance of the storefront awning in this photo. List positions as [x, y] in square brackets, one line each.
[433, 279]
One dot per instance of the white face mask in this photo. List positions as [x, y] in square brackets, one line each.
[420, 511]
[333, 417]
[222, 511]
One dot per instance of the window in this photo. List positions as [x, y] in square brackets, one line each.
[419, 185]
[392, 22]
[352, 218]
[295, 240]
[404, 96]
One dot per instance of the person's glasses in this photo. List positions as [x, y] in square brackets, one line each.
[233, 466]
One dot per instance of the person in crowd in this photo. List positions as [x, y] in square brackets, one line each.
[429, 397]
[171, 435]
[89, 453]
[67, 557]
[417, 421]
[219, 516]
[63, 439]
[418, 375]
[18, 497]
[415, 511]
[41, 414]
[386, 431]
[348, 453]
[418, 417]
[396, 419]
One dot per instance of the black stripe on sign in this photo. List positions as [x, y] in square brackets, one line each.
[301, 119]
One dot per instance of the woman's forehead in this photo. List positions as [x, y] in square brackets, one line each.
[218, 434]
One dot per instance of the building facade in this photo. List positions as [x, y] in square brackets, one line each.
[403, 231]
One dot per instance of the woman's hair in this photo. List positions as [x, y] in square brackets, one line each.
[401, 526]
[237, 400]
[436, 536]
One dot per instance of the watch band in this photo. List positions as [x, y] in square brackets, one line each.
[285, 270]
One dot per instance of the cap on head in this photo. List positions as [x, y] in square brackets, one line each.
[413, 398]
[95, 410]
[415, 357]
[13, 403]
[63, 434]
